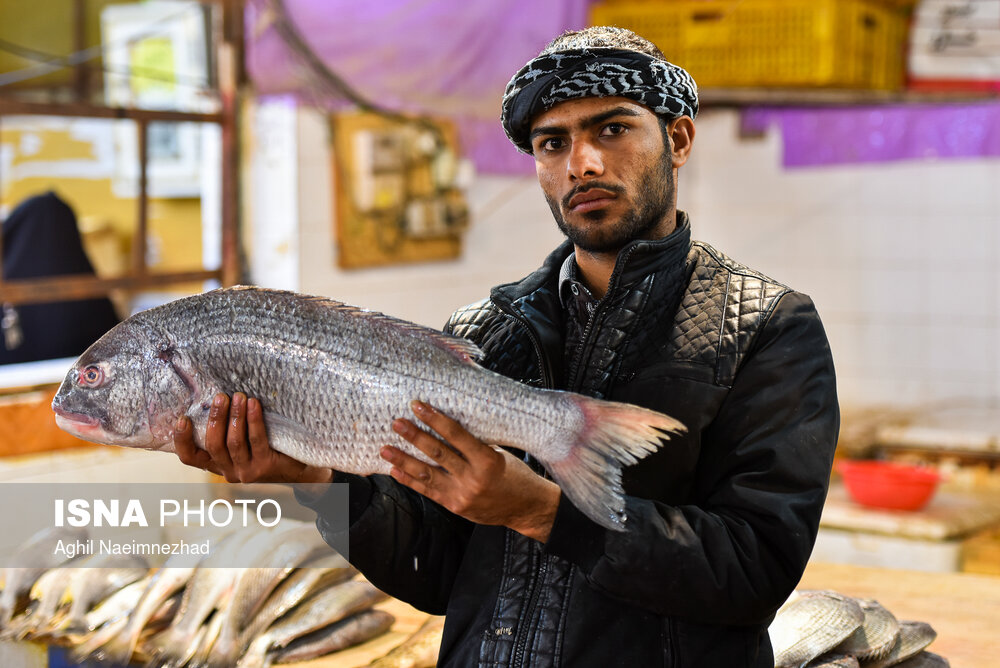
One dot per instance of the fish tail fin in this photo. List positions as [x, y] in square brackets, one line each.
[223, 652]
[116, 651]
[161, 661]
[612, 435]
[6, 614]
[256, 653]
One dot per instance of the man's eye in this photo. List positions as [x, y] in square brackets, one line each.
[613, 129]
[552, 144]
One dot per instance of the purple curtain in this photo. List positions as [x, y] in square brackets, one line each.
[440, 57]
[832, 136]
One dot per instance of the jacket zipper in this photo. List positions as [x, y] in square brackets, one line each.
[521, 637]
[601, 304]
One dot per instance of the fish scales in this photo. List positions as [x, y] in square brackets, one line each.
[356, 629]
[331, 379]
[913, 637]
[876, 635]
[367, 376]
[324, 608]
[315, 576]
[811, 624]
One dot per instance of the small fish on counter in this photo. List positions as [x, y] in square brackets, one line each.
[38, 551]
[331, 378]
[174, 616]
[101, 576]
[322, 609]
[354, 630]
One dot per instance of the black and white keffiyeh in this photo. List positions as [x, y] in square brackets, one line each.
[557, 76]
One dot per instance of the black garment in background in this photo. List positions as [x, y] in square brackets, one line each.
[40, 239]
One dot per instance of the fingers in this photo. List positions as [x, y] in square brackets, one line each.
[464, 445]
[216, 436]
[443, 455]
[236, 436]
[256, 430]
[189, 453]
[415, 474]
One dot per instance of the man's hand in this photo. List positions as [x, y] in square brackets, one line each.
[236, 446]
[481, 483]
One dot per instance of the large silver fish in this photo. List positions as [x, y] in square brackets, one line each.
[331, 378]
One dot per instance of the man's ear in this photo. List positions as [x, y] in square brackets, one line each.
[681, 131]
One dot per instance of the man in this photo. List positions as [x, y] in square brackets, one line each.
[721, 520]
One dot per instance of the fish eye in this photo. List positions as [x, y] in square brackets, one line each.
[91, 376]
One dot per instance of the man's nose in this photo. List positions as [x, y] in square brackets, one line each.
[584, 161]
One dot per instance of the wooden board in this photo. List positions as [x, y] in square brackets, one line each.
[964, 609]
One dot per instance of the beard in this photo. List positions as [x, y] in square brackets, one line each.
[653, 197]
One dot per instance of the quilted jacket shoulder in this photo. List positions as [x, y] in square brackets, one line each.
[721, 310]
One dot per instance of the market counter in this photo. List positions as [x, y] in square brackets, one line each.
[964, 609]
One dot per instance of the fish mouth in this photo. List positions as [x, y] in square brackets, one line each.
[89, 428]
[68, 418]
[81, 426]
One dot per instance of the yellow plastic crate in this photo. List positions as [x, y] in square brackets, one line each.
[774, 43]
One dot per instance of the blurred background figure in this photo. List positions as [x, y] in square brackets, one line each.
[41, 238]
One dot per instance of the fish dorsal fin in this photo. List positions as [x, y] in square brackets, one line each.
[462, 349]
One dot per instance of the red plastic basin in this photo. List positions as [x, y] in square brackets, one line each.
[888, 485]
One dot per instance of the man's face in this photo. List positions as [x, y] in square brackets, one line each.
[605, 171]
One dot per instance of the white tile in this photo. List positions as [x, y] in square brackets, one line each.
[961, 238]
[897, 240]
[961, 352]
[964, 296]
[888, 293]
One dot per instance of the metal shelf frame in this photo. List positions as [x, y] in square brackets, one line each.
[228, 43]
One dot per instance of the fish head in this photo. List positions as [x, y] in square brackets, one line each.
[126, 389]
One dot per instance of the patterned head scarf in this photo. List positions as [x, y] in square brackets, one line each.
[597, 62]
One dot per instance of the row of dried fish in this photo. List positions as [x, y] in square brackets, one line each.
[116, 608]
[826, 629]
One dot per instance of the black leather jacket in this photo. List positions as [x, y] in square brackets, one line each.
[721, 520]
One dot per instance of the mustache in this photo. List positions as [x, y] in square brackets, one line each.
[610, 187]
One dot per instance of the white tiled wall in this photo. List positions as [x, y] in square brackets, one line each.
[901, 259]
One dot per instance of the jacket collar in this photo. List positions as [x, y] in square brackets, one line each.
[534, 300]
